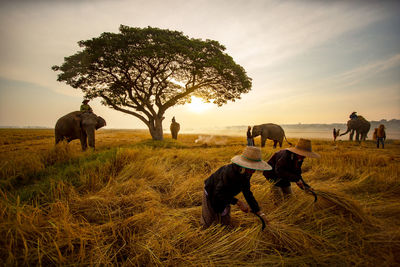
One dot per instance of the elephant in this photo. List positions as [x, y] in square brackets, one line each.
[360, 125]
[175, 127]
[78, 125]
[269, 131]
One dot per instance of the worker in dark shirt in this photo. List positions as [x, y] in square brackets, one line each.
[222, 186]
[286, 168]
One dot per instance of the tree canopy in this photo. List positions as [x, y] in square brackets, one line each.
[145, 71]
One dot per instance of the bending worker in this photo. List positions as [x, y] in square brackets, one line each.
[286, 168]
[222, 186]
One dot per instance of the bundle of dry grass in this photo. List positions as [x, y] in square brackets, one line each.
[340, 204]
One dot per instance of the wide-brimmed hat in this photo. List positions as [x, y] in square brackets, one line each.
[251, 159]
[85, 101]
[303, 148]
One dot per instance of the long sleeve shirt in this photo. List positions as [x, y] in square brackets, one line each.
[223, 185]
[86, 108]
[285, 166]
[381, 133]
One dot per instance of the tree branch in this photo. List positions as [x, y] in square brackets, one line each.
[110, 103]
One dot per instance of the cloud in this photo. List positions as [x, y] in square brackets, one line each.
[290, 28]
[359, 74]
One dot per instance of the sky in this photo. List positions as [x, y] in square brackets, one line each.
[310, 61]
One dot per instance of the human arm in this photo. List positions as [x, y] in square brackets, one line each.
[248, 195]
[243, 206]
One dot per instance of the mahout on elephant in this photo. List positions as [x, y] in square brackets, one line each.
[175, 127]
[270, 131]
[85, 106]
[78, 125]
[360, 126]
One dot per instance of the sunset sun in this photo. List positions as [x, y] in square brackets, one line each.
[198, 105]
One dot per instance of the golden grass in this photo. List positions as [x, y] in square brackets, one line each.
[138, 202]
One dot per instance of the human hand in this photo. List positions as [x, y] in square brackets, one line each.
[243, 206]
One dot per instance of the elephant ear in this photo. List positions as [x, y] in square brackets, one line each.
[100, 122]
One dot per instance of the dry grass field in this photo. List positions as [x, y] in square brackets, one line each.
[134, 201]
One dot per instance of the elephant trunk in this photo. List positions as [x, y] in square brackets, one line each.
[91, 137]
[348, 130]
[255, 133]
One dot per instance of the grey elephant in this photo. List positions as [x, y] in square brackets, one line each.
[269, 131]
[78, 125]
[175, 127]
[360, 126]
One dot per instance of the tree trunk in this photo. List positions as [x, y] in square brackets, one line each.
[156, 129]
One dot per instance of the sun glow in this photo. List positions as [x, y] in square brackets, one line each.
[198, 105]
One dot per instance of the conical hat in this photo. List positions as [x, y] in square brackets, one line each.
[303, 148]
[251, 159]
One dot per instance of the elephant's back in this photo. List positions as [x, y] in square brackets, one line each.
[273, 126]
[64, 124]
[68, 117]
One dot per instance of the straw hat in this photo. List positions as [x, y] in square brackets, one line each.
[251, 159]
[303, 148]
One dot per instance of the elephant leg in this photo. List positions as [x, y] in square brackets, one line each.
[275, 142]
[280, 143]
[83, 140]
[357, 136]
[58, 139]
[263, 140]
[351, 135]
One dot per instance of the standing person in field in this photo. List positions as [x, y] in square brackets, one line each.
[380, 136]
[85, 106]
[250, 139]
[286, 168]
[222, 186]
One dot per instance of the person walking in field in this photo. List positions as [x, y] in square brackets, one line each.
[250, 139]
[222, 186]
[380, 136]
[85, 106]
[286, 168]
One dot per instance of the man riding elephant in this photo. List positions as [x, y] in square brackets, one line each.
[358, 125]
[78, 125]
[85, 106]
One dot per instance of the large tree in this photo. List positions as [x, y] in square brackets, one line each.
[145, 71]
